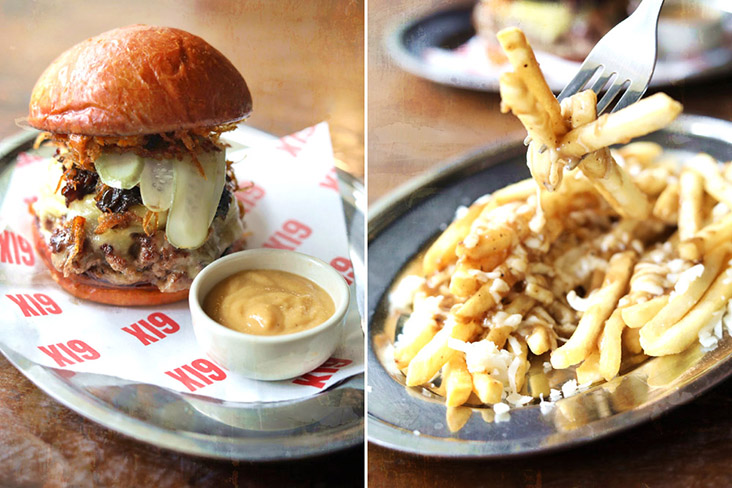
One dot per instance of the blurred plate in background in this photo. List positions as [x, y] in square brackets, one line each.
[442, 47]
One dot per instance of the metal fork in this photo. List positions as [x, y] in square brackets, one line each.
[627, 52]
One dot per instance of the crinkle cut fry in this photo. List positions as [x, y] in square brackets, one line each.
[516, 98]
[526, 93]
[527, 69]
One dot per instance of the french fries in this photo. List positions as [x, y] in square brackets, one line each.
[686, 331]
[433, 356]
[487, 388]
[601, 305]
[714, 183]
[691, 193]
[610, 345]
[641, 118]
[606, 256]
[458, 382]
[638, 315]
[682, 302]
[442, 252]
[522, 58]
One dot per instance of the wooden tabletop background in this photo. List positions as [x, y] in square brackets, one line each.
[304, 63]
[415, 125]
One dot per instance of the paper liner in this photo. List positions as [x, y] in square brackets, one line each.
[292, 201]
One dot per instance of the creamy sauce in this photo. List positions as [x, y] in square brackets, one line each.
[268, 302]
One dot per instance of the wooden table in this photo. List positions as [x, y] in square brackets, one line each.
[304, 64]
[415, 125]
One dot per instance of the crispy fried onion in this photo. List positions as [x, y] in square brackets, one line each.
[77, 235]
[108, 221]
[233, 185]
[81, 150]
[150, 222]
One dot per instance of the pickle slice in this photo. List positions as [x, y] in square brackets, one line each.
[156, 184]
[195, 199]
[119, 170]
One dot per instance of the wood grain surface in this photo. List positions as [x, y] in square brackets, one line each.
[415, 125]
[304, 63]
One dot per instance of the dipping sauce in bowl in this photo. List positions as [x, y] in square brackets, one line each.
[287, 312]
[268, 302]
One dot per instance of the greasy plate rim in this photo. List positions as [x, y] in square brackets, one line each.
[212, 446]
[390, 209]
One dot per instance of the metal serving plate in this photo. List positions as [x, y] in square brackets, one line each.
[413, 419]
[316, 425]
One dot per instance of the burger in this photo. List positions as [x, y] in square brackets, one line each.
[139, 196]
[566, 28]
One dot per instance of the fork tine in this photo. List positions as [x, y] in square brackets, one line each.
[602, 80]
[586, 72]
[633, 94]
[611, 93]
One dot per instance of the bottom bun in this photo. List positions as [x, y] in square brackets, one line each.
[96, 291]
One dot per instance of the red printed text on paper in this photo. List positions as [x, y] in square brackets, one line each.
[198, 374]
[34, 304]
[15, 249]
[320, 375]
[344, 267]
[72, 352]
[290, 236]
[249, 195]
[157, 326]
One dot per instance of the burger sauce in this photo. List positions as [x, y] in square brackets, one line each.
[268, 302]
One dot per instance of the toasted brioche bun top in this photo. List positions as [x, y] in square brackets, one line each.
[138, 80]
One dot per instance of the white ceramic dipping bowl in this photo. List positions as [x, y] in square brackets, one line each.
[276, 357]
